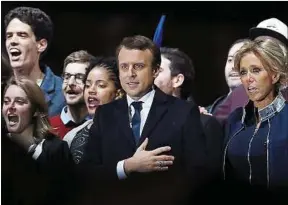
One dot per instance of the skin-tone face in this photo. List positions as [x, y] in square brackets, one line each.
[232, 77]
[258, 82]
[99, 89]
[136, 72]
[23, 49]
[73, 88]
[17, 110]
[164, 79]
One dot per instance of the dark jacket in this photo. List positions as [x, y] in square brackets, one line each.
[31, 182]
[170, 121]
[274, 131]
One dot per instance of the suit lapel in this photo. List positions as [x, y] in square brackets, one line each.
[124, 123]
[158, 109]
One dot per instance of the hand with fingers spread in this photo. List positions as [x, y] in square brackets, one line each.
[148, 161]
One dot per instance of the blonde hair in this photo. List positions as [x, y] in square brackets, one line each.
[272, 54]
[39, 106]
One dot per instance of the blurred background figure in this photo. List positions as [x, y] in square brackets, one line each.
[231, 76]
[176, 78]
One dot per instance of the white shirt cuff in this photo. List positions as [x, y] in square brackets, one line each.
[120, 170]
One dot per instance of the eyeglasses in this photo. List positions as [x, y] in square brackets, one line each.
[79, 77]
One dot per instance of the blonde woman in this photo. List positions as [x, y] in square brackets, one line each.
[35, 160]
[256, 147]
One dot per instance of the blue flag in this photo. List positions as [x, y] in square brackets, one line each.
[158, 35]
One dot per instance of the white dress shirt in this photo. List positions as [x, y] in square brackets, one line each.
[146, 105]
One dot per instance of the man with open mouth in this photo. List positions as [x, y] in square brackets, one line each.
[28, 35]
[75, 112]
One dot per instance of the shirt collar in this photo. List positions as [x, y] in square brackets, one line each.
[267, 112]
[147, 99]
[66, 116]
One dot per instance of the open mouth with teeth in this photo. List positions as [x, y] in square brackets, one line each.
[93, 102]
[72, 92]
[252, 89]
[15, 53]
[13, 120]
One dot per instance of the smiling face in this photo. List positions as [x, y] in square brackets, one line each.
[23, 49]
[232, 77]
[99, 89]
[136, 72]
[17, 109]
[73, 85]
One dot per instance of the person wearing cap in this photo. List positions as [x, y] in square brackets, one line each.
[273, 28]
[255, 160]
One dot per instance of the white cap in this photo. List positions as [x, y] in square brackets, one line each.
[271, 27]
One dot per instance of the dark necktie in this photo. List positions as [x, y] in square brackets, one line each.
[136, 120]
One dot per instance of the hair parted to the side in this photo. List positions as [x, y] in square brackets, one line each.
[142, 43]
[271, 53]
[78, 57]
[39, 106]
[37, 19]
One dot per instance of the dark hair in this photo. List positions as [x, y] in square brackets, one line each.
[181, 63]
[142, 43]
[6, 70]
[78, 57]
[108, 63]
[38, 20]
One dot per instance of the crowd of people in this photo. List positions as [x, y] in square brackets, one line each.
[125, 129]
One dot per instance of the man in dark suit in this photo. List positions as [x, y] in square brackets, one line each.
[152, 141]
[176, 78]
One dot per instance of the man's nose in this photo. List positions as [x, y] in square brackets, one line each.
[14, 40]
[131, 71]
[71, 81]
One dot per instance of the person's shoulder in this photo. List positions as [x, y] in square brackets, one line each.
[181, 103]
[208, 120]
[236, 115]
[53, 140]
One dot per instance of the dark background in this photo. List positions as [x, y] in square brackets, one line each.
[204, 30]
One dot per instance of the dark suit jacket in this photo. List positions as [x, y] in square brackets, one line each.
[214, 142]
[170, 121]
